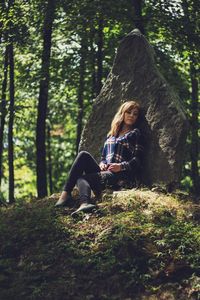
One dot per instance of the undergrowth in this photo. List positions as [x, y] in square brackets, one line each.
[136, 245]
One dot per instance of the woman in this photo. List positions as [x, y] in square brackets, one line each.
[121, 160]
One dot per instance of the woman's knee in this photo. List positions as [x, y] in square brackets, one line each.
[81, 181]
[84, 154]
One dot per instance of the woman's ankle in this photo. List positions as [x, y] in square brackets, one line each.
[64, 195]
[65, 200]
[84, 201]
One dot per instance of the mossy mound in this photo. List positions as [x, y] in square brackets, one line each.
[138, 244]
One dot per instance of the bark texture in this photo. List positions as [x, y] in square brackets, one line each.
[100, 56]
[3, 108]
[138, 20]
[134, 76]
[81, 94]
[10, 125]
[194, 130]
[43, 102]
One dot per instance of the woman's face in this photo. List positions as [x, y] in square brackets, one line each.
[130, 116]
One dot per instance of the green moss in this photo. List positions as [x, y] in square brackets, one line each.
[138, 244]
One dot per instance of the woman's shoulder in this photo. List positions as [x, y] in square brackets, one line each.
[109, 138]
[135, 132]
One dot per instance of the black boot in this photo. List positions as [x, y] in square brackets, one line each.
[84, 207]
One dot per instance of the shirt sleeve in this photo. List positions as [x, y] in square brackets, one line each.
[135, 138]
[103, 154]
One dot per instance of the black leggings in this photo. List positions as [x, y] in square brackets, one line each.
[87, 175]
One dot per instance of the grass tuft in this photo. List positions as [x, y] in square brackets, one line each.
[138, 244]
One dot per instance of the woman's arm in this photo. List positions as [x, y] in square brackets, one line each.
[103, 163]
[103, 154]
[134, 137]
[114, 167]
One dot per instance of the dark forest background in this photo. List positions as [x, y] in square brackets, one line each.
[54, 59]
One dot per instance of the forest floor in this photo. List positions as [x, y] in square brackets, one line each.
[137, 244]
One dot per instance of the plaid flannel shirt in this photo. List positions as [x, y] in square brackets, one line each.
[126, 150]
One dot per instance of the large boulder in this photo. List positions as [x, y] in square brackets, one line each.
[134, 76]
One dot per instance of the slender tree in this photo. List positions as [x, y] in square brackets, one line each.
[81, 92]
[9, 36]
[138, 19]
[43, 101]
[3, 107]
[190, 9]
[50, 179]
[194, 129]
[99, 55]
[1, 25]
[93, 64]
[2, 8]
[10, 124]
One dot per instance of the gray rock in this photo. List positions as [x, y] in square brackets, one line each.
[134, 76]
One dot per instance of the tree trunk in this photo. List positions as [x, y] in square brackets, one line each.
[43, 100]
[189, 9]
[49, 159]
[10, 125]
[99, 56]
[93, 64]
[1, 25]
[1, 22]
[138, 15]
[80, 95]
[194, 130]
[3, 108]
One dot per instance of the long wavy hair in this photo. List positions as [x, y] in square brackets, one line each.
[118, 119]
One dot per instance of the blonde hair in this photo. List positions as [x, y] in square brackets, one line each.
[119, 116]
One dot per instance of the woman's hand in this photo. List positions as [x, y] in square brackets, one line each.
[114, 167]
[103, 166]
